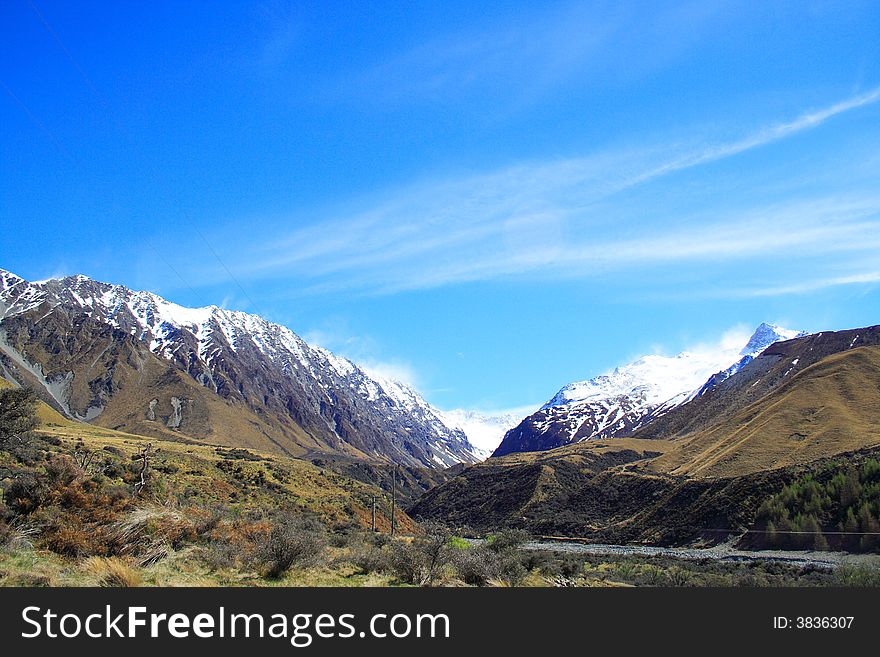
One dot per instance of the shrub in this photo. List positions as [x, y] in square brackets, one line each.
[17, 535]
[150, 532]
[559, 565]
[498, 561]
[61, 470]
[293, 541]
[506, 541]
[31, 580]
[406, 563]
[676, 576]
[511, 571]
[625, 571]
[572, 565]
[113, 469]
[422, 561]
[380, 540]
[371, 559]
[207, 520]
[476, 566]
[71, 540]
[25, 494]
[482, 565]
[434, 546]
[347, 535]
[219, 555]
[458, 543]
[857, 576]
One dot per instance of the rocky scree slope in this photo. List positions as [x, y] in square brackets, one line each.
[132, 360]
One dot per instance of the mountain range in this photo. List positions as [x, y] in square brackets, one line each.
[631, 396]
[675, 449]
[802, 409]
[133, 361]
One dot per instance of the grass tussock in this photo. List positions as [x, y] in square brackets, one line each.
[113, 571]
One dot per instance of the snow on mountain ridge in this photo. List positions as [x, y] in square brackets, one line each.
[164, 325]
[155, 316]
[765, 335]
[657, 379]
[654, 379]
[625, 399]
[406, 397]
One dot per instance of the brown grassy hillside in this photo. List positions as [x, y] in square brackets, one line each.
[705, 484]
[136, 391]
[825, 409]
[776, 366]
[77, 506]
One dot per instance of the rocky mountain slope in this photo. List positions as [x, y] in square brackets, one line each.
[622, 401]
[700, 472]
[134, 361]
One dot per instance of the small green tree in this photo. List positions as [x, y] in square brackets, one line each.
[850, 525]
[819, 541]
[852, 488]
[17, 415]
[871, 528]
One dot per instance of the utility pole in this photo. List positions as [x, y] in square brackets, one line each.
[373, 524]
[393, 498]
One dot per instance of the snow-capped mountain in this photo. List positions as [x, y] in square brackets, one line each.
[303, 393]
[484, 430]
[763, 337]
[626, 399]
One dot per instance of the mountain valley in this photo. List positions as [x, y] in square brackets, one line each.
[679, 450]
[701, 472]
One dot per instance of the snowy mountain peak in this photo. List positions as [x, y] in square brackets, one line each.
[8, 279]
[630, 396]
[241, 355]
[765, 335]
[657, 378]
[654, 378]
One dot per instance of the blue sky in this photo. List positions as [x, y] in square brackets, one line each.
[487, 199]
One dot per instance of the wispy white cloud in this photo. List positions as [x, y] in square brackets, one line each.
[396, 370]
[365, 352]
[559, 219]
[762, 137]
[526, 53]
[537, 49]
[865, 278]
[56, 273]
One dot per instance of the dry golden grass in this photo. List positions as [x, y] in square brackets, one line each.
[331, 495]
[826, 409]
[160, 538]
[113, 571]
[587, 448]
